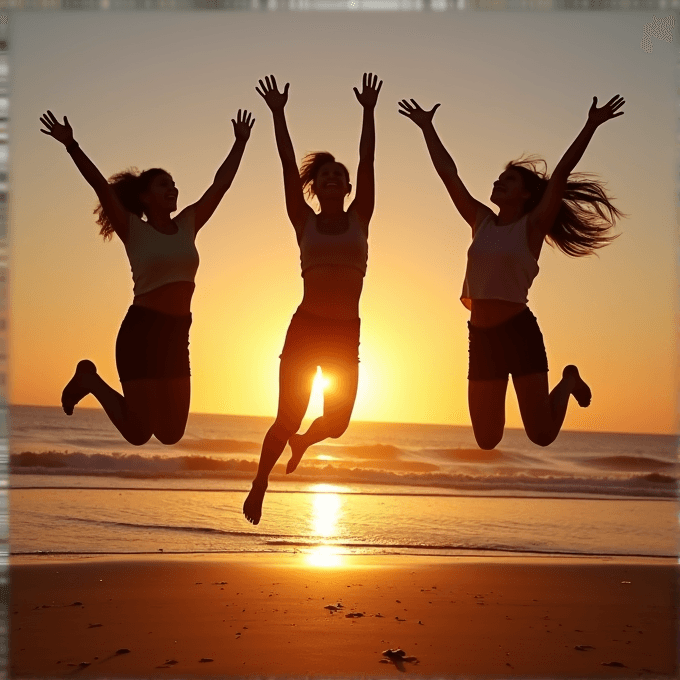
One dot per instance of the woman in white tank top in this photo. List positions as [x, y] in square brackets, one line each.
[152, 348]
[324, 330]
[502, 263]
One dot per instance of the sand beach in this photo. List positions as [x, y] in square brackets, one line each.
[286, 616]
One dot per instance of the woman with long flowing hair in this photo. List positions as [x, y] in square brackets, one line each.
[324, 331]
[571, 212]
[152, 347]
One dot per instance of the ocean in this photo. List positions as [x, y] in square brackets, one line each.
[77, 488]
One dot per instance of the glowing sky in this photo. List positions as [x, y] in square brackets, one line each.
[157, 88]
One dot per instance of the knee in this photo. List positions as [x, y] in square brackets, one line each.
[488, 443]
[169, 437]
[138, 438]
[487, 439]
[541, 438]
[284, 428]
[338, 427]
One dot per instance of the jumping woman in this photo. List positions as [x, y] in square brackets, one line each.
[324, 331]
[152, 348]
[566, 210]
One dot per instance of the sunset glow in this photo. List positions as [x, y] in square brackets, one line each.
[70, 290]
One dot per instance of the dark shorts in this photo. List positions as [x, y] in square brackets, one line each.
[318, 341]
[515, 346]
[152, 345]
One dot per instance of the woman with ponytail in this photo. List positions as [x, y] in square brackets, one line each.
[152, 348]
[570, 211]
[324, 331]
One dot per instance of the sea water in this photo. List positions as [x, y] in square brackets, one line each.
[78, 488]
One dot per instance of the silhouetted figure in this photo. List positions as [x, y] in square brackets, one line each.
[324, 331]
[565, 209]
[152, 348]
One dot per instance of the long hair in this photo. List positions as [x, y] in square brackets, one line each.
[586, 216]
[128, 185]
[311, 164]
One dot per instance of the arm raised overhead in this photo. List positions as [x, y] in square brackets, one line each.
[469, 208]
[114, 209]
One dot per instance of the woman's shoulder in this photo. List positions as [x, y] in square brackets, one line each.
[484, 217]
[310, 217]
[355, 217]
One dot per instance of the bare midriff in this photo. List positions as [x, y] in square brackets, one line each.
[332, 291]
[172, 298]
[488, 313]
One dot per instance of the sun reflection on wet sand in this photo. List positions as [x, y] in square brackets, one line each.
[325, 556]
[327, 511]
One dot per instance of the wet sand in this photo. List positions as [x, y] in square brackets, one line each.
[279, 615]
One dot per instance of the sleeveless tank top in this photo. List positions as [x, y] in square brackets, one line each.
[347, 249]
[500, 265]
[157, 259]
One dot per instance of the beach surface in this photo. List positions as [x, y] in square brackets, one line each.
[291, 616]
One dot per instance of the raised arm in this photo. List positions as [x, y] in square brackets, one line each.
[296, 206]
[364, 199]
[207, 204]
[543, 216]
[467, 206]
[112, 206]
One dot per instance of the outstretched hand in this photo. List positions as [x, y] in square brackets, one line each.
[370, 88]
[604, 113]
[62, 133]
[243, 125]
[419, 116]
[270, 93]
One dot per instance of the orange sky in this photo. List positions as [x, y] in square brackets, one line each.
[159, 89]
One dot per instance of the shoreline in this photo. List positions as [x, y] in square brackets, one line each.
[277, 615]
[282, 558]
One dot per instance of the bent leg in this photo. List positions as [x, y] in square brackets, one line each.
[130, 414]
[486, 400]
[170, 408]
[295, 389]
[338, 404]
[543, 412]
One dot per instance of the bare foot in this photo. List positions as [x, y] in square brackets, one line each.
[298, 448]
[581, 391]
[76, 388]
[252, 508]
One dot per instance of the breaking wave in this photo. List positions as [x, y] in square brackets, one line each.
[619, 479]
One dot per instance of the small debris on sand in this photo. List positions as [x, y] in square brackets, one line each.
[583, 648]
[76, 604]
[617, 664]
[123, 650]
[205, 659]
[394, 653]
[398, 656]
[95, 625]
[353, 615]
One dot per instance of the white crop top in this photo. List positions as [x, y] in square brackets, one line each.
[347, 249]
[157, 259]
[500, 265]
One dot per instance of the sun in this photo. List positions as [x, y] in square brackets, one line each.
[320, 384]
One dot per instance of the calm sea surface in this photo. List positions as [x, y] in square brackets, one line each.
[78, 487]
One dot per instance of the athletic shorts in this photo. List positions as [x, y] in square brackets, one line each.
[515, 346]
[151, 344]
[317, 341]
